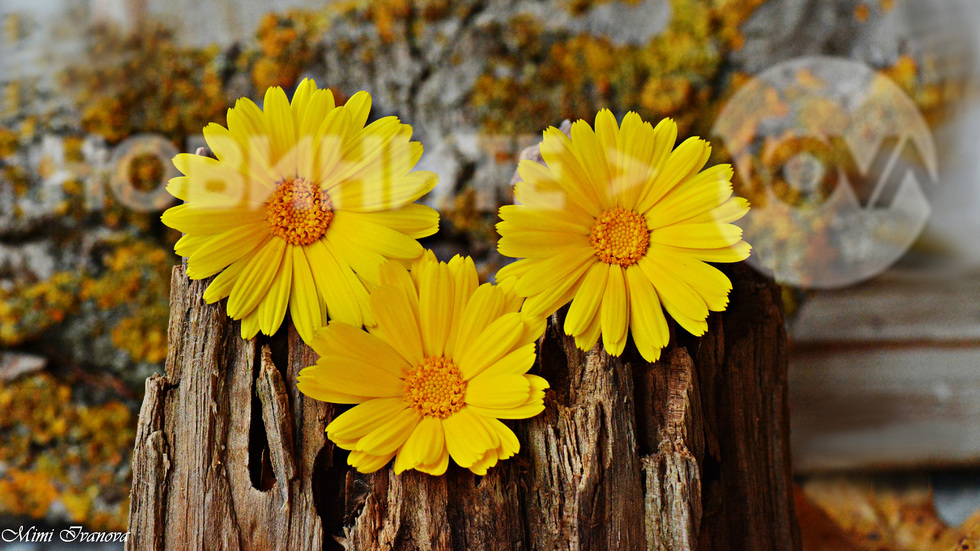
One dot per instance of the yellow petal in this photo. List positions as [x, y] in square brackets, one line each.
[637, 143]
[341, 339]
[509, 444]
[208, 221]
[357, 378]
[517, 362]
[490, 345]
[424, 445]
[736, 253]
[346, 249]
[189, 244]
[502, 391]
[272, 309]
[359, 107]
[222, 285]
[436, 302]
[465, 281]
[305, 305]
[396, 323]
[248, 124]
[707, 281]
[707, 191]
[414, 220]
[309, 383]
[320, 105]
[336, 284]
[390, 436]
[586, 339]
[557, 152]
[697, 236]
[256, 278]
[550, 300]
[464, 429]
[728, 212]
[250, 325]
[364, 418]
[592, 157]
[374, 237]
[527, 244]
[586, 303]
[682, 163]
[212, 183]
[524, 411]
[615, 311]
[486, 304]
[522, 217]
[567, 265]
[673, 289]
[367, 463]
[455, 435]
[301, 100]
[488, 460]
[279, 121]
[541, 189]
[388, 193]
[647, 321]
[221, 250]
[439, 466]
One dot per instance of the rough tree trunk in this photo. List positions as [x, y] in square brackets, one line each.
[687, 453]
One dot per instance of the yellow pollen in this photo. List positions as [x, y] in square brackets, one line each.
[435, 388]
[298, 211]
[620, 236]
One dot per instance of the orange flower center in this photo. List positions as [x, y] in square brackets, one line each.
[299, 211]
[435, 388]
[620, 236]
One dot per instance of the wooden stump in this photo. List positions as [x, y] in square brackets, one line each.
[688, 453]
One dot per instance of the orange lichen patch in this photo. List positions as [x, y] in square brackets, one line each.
[286, 43]
[8, 142]
[862, 13]
[145, 82]
[386, 13]
[551, 75]
[58, 450]
[580, 7]
[28, 309]
[134, 285]
[28, 493]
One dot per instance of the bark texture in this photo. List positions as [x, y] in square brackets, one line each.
[690, 452]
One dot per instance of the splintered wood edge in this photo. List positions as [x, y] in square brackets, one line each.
[277, 419]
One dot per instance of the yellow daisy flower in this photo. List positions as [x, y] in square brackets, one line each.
[447, 360]
[619, 223]
[300, 208]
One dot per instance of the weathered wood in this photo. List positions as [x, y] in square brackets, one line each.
[227, 448]
[883, 375]
[686, 453]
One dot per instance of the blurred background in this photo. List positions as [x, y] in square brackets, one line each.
[854, 127]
